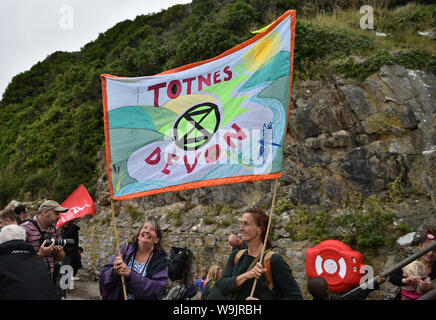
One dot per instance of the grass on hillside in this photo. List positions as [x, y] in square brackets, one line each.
[402, 24]
[361, 52]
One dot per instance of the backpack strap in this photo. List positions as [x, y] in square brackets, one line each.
[212, 283]
[266, 262]
[42, 234]
[35, 223]
[238, 255]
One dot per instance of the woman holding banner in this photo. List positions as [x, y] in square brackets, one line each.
[243, 266]
[143, 265]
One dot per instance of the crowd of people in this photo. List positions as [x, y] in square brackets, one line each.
[30, 258]
[140, 270]
[272, 279]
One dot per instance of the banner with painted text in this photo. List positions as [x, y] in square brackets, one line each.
[213, 122]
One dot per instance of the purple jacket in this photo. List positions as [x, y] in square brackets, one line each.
[150, 287]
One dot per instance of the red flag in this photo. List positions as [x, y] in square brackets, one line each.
[79, 204]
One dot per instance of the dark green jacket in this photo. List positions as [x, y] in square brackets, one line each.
[284, 288]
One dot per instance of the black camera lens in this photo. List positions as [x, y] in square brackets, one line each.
[59, 242]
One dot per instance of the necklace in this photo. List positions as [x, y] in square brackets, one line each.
[143, 271]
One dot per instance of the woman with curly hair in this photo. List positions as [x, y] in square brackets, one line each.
[143, 264]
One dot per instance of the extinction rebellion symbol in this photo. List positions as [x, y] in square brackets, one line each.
[196, 126]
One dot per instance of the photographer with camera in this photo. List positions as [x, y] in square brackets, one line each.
[41, 231]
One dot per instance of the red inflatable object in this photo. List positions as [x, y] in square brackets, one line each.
[337, 263]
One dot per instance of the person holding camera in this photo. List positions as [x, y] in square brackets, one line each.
[42, 229]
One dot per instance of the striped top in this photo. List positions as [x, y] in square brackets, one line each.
[33, 237]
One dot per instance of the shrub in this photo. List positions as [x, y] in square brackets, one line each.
[282, 205]
[312, 224]
[412, 59]
[365, 223]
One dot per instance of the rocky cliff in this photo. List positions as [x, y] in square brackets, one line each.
[359, 167]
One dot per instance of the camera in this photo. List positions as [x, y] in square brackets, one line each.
[57, 242]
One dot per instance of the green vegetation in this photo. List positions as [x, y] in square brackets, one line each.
[221, 214]
[135, 214]
[224, 210]
[412, 59]
[177, 216]
[366, 223]
[208, 220]
[282, 205]
[362, 222]
[308, 224]
[51, 115]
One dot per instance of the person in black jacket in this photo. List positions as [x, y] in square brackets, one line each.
[429, 259]
[70, 230]
[23, 274]
[319, 289]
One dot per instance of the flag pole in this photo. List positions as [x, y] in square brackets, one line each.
[118, 246]
[267, 233]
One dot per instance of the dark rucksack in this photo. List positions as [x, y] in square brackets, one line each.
[177, 259]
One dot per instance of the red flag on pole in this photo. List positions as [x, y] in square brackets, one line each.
[79, 204]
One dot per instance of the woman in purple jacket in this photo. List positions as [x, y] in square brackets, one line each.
[143, 265]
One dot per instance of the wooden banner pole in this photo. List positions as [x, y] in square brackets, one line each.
[118, 247]
[267, 233]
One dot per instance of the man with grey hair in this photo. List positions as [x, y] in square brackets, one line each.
[10, 232]
[23, 275]
[42, 227]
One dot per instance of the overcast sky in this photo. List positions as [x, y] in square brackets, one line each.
[30, 30]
